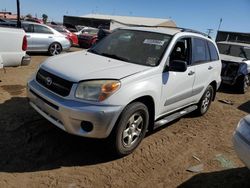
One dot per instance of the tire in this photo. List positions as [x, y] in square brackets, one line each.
[205, 101]
[130, 129]
[55, 49]
[243, 84]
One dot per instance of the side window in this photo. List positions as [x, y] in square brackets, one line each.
[42, 29]
[28, 28]
[213, 52]
[200, 53]
[181, 50]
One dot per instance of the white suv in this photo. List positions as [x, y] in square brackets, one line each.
[134, 80]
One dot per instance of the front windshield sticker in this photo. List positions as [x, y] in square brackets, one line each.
[152, 61]
[154, 42]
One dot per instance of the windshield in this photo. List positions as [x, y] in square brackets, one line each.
[234, 50]
[139, 47]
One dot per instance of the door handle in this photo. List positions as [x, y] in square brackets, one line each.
[210, 68]
[191, 73]
[28, 36]
[50, 37]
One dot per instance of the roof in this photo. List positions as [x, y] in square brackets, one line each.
[133, 20]
[234, 43]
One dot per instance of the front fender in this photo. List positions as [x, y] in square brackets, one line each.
[135, 89]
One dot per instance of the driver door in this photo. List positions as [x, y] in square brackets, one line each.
[177, 86]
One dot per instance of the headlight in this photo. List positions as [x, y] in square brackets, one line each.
[96, 90]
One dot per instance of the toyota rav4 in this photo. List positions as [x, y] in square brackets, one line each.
[134, 80]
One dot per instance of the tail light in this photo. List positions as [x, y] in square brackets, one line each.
[25, 43]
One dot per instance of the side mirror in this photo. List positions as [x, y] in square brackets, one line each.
[178, 66]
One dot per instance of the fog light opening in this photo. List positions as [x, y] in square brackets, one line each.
[87, 126]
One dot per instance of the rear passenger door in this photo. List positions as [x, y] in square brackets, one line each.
[42, 38]
[201, 60]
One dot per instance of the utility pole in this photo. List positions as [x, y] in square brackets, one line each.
[18, 14]
[219, 24]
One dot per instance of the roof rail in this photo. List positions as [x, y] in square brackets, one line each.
[187, 30]
[182, 29]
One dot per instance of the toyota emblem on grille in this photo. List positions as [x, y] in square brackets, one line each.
[48, 81]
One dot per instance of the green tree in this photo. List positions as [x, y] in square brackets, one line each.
[45, 18]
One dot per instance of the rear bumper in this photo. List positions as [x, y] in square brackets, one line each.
[26, 60]
[242, 148]
[68, 114]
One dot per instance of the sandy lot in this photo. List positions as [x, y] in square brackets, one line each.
[34, 153]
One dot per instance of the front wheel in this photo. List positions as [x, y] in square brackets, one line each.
[205, 101]
[243, 84]
[55, 49]
[130, 129]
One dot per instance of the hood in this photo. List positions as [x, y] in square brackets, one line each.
[232, 58]
[83, 65]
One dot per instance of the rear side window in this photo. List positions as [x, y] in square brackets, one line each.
[42, 29]
[200, 53]
[28, 28]
[213, 52]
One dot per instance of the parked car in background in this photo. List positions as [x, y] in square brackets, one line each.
[88, 38]
[36, 20]
[42, 38]
[71, 36]
[235, 58]
[133, 80]
[13, 47]
[241, 140]
[85, 30]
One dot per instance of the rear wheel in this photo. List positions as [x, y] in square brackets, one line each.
[131, 129]
[205, 101]
[55, 49]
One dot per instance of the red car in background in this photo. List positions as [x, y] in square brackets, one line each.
[88, 37]
[71, 36]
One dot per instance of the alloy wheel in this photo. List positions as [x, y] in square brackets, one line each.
[133, 130]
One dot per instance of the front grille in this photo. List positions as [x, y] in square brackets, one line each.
[54, 83]
[229, 68]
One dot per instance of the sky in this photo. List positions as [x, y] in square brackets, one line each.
[195, 14]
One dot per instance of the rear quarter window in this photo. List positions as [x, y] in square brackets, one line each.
[213, 52]
[42, 29]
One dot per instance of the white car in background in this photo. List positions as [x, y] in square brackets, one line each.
[241, 140]
[86, 30]
[42, 38]
[13, 45]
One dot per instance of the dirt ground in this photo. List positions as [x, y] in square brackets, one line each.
[34, 153]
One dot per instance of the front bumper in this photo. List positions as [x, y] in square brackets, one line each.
[242, 148]
[68, 114]
[66, 45]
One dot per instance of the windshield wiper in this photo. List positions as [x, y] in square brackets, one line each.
[114, 57]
